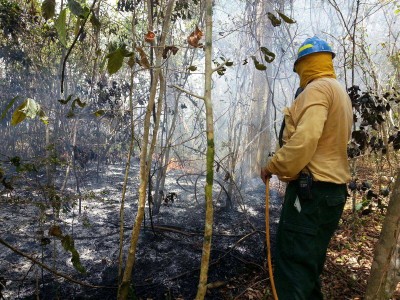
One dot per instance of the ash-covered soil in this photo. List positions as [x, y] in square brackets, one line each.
[168, 257]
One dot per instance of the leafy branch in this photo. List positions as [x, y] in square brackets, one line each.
[73, 44]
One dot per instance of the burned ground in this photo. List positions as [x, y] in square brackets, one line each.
[168, 254]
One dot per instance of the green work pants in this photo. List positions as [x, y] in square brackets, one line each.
[303, 236]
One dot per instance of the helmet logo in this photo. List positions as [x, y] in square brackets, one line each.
[305, 47]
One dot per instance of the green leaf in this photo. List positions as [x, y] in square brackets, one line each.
[274, 20]
[99, 113]
[268, 55]
[229, 63]
[31, 108]
[3, 115]
[397, 11]
[286, 18]
[28, 109]
[221, 71]
[48, 9]
[76, 262]
[79, 102]
[68, 244]
[63, 102]
[86, 12]
[17, 117]
[76, 8]
[60, 25]
[192, 68]
[261, 67]
[257, 64]
[115, 60]
[95, 22]
[125, 51]
[77, 26]
[43, 117]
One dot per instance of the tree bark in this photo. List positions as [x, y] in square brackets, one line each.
[145, 159]
[205, 259]
[165, 153]
[257, 135]
[385, 275]
[126, 177]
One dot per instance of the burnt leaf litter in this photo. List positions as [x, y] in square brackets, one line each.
[168, 256]
[169, 250]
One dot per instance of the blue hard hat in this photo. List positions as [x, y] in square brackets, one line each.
[312, 45]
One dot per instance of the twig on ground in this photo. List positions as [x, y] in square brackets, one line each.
[248, 262]
[23, 279]
[179, 230]
[218, 259]
[51, 270]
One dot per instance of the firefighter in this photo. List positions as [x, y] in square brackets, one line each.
[313, 160]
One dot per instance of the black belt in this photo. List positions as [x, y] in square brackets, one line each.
[326, 184]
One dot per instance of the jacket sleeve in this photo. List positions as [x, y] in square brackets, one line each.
[312, 111]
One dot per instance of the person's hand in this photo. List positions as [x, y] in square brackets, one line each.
[265, 174]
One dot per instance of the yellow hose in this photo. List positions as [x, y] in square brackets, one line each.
[268, 240]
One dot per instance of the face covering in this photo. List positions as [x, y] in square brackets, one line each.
[313, 66]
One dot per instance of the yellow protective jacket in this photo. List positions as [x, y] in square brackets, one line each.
[317, 130]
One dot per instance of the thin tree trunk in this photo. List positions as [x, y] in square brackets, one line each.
[208, 228]
[257, 138]
[156, 127]
[160, 181]
[49, 151]
[384, 275]
[130, 261]
[127, 168]
[73, 155]
[165, 154]
[234, 145]
[145, 159]
[161, 167]
[64, 185]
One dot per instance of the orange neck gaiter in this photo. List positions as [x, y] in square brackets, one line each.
[313, 66]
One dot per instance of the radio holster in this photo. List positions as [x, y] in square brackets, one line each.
[305, 181]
